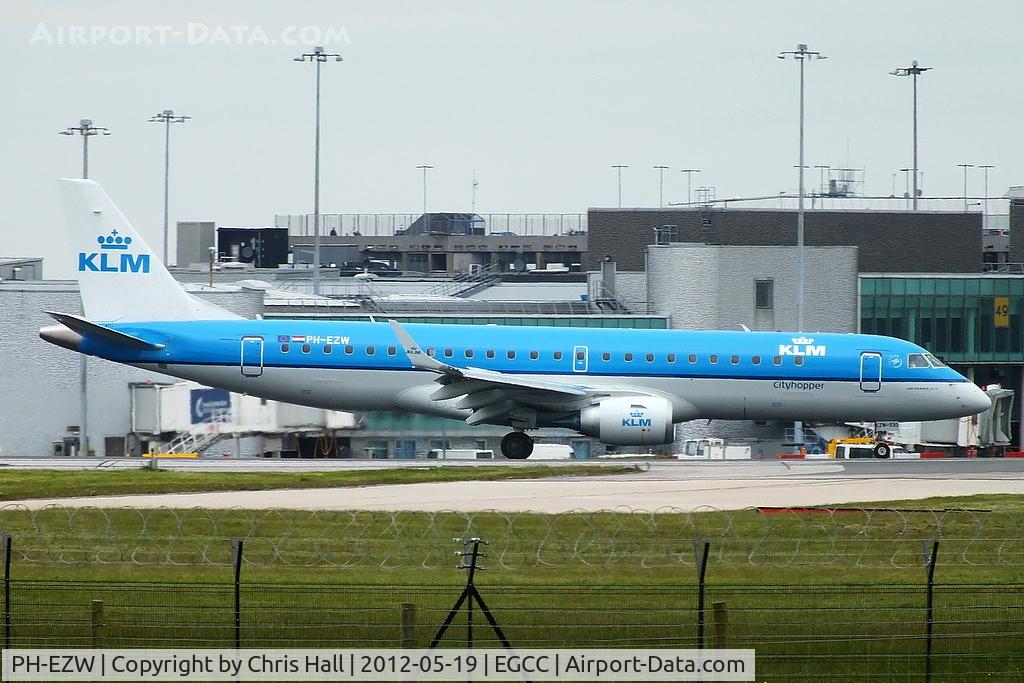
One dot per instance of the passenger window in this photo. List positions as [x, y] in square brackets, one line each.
[713, 358]
[534, 355]
[284, 348]
[369, 350]
[327, 348]
[490, 353]
[511, 355]
[671, 358]
[692, 358]
[628, 357]
[348, 350]
[917, 360]
[391, 350]
[649, 357]
[606, 356]
[580, 355]
[469, 353]
[777, 360]
[305, 348]
[756, 360]
[735, 360]
[448, 353]
[431, 351]
[799, 360]
[557, 355]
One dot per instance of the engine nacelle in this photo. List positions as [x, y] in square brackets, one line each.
[629, 421]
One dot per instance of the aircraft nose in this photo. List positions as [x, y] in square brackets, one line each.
[975, 400]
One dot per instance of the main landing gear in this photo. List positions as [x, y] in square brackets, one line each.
[516, 446]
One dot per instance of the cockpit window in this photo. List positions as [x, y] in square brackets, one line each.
[936, 363]
[917, 360]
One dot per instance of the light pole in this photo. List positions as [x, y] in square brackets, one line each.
[965, 167]
[167, 117]
[475, 184]
[914, 70]
[318, 57]
[618, 168]
[801, 54]
[984, 216]
[425, 168]
[86, 130]
[689, 183]
[661, 184]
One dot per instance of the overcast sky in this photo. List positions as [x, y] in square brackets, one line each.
[539, 97]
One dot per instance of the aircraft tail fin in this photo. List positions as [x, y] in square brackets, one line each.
[121, 279]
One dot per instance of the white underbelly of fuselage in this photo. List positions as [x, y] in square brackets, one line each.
[728, 399]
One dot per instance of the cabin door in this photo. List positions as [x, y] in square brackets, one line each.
[579, 358]
[870, 371]
[252, 356]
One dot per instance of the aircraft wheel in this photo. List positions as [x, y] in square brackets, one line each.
[882, 450]
[516, 446]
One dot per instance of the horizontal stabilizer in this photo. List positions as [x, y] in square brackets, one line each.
[90, 329]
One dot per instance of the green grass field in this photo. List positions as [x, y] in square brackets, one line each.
[838, 596]
[26, 484]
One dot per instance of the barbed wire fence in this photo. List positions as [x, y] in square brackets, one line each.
[813, 537]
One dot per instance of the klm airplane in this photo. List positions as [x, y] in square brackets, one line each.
[623, 387]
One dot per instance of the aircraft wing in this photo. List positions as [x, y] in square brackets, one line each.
[491, 394]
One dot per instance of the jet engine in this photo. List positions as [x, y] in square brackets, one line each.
[629, 421]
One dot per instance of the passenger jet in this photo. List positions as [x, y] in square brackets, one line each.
[622, 387]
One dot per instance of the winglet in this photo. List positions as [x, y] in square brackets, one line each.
[416, 355]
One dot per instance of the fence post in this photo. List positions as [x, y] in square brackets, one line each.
[236, 550]
[96, 623]
[408, 637]
[6, 538]
[700, 551]
[720, 624]
[929, 560]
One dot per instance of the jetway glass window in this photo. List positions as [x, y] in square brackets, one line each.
[962, 319]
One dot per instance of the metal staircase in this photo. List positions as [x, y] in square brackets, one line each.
[465, 284]
[200, 437]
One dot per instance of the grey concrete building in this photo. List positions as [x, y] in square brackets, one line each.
[194, 241]
[20, 268]
[715, 287]
[896, 241]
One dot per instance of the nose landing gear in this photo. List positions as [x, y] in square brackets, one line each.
[516, 446]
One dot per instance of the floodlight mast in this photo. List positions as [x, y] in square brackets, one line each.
[689, 183]
[425, 168]
[167, 117]
[660, 168]
[801, 54]
[86, 130]
[914, 70]
[318, 57]
[618, 168]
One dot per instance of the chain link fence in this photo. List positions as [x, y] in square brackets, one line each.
[838, 633]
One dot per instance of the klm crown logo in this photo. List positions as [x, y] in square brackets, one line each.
[107, 260]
